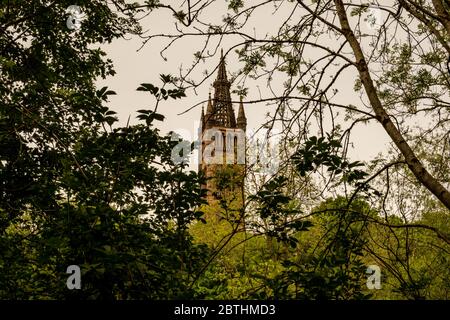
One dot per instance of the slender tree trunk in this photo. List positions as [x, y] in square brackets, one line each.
[414, 164]
[443, 14]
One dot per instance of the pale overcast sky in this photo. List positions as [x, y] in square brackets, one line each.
[134, 67]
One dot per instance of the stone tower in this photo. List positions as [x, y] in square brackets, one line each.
[222, 137]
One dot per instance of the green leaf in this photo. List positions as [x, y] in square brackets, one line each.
[148, 87]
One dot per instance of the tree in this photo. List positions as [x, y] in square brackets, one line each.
[398, 64]
[75, 189]
[330, 67]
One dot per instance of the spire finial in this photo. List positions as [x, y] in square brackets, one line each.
[222, 72]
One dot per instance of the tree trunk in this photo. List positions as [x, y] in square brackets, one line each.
[414, 164]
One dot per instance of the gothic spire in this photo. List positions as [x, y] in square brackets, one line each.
[241, 119]
[209, 117]
[209, 108]
[223, 112]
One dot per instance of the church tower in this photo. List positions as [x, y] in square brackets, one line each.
[222, 144]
